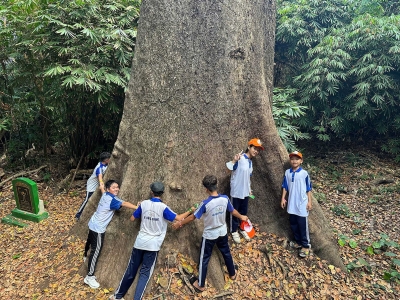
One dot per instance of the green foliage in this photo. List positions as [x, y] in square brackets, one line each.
[321, 197]
[389, 189]
[373, 200]
[47, 177]
[344, 240]
[341, 210]
[367, 176]
[344, 57]
[384, 242]
[66, 65]
[393, 274]
[353, 244]
[370, 250]
[286, 111]
[334, 173]
[382, 245]
[359, 263]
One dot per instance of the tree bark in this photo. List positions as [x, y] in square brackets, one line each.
[200, 88]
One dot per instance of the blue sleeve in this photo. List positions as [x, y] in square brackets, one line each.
[115, 204]
[200, 211]
[235, 165]
[98, 171]
[230, 207]
[137, 213]
[284, 184]
[308, 184]
[169, 214]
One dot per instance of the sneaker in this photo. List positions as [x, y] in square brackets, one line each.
[236, 237]
[112, 297]
[91, 281]
[294, 245]
[304, 252]
[244, 233]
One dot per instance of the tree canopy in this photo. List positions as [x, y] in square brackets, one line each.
[342, 57]
[65, 66]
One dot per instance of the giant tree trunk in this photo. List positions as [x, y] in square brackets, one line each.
[200, 88]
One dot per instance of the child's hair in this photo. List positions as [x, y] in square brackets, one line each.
[109, 183]
[157, 188]
[104, 156]
[159, 194]
[210, 182]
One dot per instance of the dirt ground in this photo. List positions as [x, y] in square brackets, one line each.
[359, 193]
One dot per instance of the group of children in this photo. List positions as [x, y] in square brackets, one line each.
[155, 215]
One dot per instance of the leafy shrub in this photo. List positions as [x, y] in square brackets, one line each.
[321, 197]
[373, 200]
[341, 210]
[393, 274]
[344, 57]
[359, 263]
[344, 240]
[286, 111]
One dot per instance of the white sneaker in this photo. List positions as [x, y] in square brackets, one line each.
[244, 233]
[112, 297]
[91, 281]
[236, 237]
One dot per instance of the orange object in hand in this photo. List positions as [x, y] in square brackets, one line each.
[248, 227]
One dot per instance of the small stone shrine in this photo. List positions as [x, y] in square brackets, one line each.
[29, 207]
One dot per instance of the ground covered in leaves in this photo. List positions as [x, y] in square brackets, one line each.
[358, 193]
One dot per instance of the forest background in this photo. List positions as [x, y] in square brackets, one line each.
[65, 66]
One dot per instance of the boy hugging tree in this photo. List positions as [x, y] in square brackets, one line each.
[154, 215]
[215, 230]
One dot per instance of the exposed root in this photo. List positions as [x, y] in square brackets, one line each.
[185, 279]
[222, 295]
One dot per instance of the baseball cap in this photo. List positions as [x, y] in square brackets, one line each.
[296, 153]
[157, 187]
[255, 142]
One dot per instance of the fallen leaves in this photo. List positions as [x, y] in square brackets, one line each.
[41, 261]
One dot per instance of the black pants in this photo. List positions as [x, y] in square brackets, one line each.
[241, 205]
[82, 207]
[95, 242]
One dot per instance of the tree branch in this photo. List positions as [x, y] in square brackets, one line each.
[21, 174]
[76, 170]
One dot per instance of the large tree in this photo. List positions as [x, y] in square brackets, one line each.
[201, 86]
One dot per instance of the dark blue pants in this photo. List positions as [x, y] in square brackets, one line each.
[82, 207]
[241, 206]
[148, 261]
[299, 227]
[205, 254]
